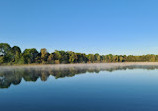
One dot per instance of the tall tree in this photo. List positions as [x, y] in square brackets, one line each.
[72, 57]
[5, 51]
[90, 58]
[16, 52]
[50, 59]
[30, 55]
[97, 57]
[44, 55]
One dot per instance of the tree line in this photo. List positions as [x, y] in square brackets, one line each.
[14, 55]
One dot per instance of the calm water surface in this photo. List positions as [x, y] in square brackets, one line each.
[130, 88]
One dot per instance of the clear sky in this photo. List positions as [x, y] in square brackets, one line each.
[89, 26]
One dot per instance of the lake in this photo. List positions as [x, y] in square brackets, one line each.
[121, 88]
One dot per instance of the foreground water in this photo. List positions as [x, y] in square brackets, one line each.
[129, 88]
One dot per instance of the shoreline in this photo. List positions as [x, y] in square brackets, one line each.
[83, 65]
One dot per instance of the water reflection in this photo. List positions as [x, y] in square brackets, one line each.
[15, 75]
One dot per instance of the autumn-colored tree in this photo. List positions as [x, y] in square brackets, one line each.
[72, 57]
[44, 55]
[50, 59]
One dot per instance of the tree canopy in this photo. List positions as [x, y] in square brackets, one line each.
[14, 55]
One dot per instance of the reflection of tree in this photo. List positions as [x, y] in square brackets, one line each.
[9, 77]
[15, 75]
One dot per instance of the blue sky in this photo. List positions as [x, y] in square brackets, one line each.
[89, 26]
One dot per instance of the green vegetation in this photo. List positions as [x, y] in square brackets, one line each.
[13, 55]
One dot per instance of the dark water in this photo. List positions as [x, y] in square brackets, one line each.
[133, 88]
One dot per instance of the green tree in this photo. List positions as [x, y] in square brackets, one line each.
[16, 52]
[22, 60]
[13, 55]
[72, 57]
[64, 57]
[90, 58]
[50, 59]
[5, 51]
[57, 55]
[97, 57]
[44, 55]
[1, 59]
[120, 58]
[30, 55]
